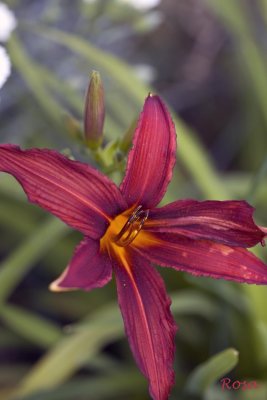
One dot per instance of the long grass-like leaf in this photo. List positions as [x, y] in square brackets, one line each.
[33, 78]
[209, 372]
[34, 328]
[236, 17]
[114, 385]
[15, 267]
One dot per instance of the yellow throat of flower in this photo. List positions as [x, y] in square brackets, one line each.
[123, 230]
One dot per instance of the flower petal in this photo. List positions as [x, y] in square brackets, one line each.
[148, 322]
[73, 191]
[88, 269]
[228, 222]
[152, 158]
[202, 257]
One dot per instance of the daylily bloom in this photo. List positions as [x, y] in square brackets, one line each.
[126, 232]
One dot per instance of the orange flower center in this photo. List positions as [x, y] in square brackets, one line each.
[124, 228]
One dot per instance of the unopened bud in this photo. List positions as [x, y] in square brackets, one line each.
[94, 112]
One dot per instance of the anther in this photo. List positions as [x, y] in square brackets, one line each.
[132, 227]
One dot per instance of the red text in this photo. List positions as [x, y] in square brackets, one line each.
[228, 384]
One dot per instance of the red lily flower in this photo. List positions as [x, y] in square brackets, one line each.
[124, 231]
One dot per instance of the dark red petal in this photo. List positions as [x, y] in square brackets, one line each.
[203, 257]
[148, 322]
[73, 191]
[151, 160]
[88, 269]
[228, 222]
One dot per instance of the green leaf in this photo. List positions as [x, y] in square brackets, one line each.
[196, 159]
[228, 292]
[9, 186]
[192, 302]
[15, 218]
[32, 327]
[21, 260]
[254, 394]
[8, 339]
[257, 295]
[232, 12]
[33, 78]
[61, 87]
[209, 372]
[235, 15]
[123, 75]
[257, 181]
[261, 344]
[216, 393]
[73, 351]
[118, 384]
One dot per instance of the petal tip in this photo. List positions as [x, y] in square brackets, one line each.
[263, 229]
[150, 95]
[55, 285]
[154, 144]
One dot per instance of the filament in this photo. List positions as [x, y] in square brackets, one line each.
[132, 227]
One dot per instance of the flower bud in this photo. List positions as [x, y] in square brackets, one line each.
[94, 112]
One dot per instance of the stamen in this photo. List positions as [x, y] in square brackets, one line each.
[132, 227]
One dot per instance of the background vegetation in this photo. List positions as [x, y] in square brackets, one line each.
[207, 59]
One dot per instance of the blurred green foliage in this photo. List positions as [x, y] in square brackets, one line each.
[72, 345]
